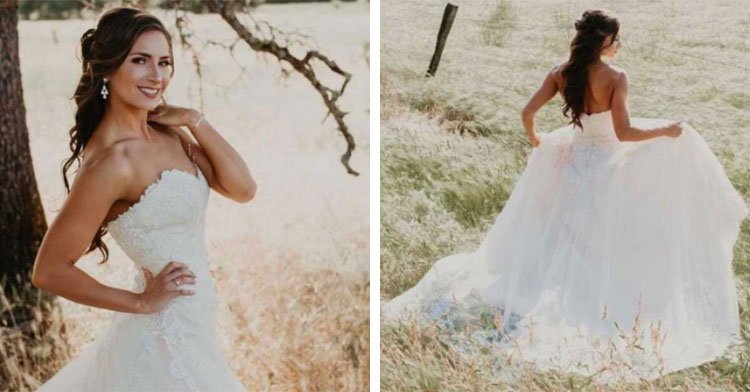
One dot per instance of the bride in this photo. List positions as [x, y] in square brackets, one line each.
[613, 255]
[146, 182]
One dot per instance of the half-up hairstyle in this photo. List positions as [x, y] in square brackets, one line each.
[591, 31]
[103, 50]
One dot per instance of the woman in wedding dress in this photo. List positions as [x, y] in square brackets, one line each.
[145, 181]
[613, 255]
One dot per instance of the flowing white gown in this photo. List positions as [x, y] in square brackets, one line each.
[175, 349]
[611, 259]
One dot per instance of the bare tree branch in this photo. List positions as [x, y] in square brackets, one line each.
[181, 24]
[302, 65]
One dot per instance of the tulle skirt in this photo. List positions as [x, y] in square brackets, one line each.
[609, 258]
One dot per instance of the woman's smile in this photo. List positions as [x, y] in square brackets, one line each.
[149, 92]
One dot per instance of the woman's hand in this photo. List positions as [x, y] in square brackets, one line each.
[534, 139]
[165, 286]
[175, 116]
[674, 130]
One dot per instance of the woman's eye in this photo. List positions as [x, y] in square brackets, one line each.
[139, 60]
[165, 63]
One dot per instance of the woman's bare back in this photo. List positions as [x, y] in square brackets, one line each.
[602, 79]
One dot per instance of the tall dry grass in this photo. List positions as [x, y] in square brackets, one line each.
[291, 267]
[453, 146]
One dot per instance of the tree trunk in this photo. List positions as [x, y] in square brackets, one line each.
[22, 221]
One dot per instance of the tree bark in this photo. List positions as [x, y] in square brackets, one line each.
[22, 220]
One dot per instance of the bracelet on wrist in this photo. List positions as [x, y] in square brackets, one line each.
[198, 122]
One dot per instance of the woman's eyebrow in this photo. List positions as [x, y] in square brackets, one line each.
[147, 55]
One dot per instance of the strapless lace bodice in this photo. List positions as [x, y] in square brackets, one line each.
[598, 128]
[166, 224]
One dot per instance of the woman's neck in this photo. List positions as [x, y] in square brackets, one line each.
[121, 121]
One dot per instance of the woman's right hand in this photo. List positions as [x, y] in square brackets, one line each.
[165, 286]
[674, 130]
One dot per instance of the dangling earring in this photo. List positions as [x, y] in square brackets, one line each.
[105, 92]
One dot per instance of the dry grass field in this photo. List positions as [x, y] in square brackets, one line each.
[453, 146]
[291, 266]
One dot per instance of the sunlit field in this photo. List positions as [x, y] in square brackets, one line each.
[291, 266]
[453, 146]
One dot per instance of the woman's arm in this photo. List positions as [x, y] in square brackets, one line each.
[92, 194]
[229, 169]
[546, 92]
[621, 117]
[227, 172]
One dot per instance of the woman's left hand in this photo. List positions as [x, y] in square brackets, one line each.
[534, 141]
[175, 116]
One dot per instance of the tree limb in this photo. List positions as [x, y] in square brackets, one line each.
[302, 65]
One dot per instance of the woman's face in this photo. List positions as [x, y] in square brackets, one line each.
[142, 78]
[609, 47]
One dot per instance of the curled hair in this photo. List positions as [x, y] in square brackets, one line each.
[591, 31]
[103, 50]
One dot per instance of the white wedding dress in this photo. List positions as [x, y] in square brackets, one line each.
[611, 259]
[175, 349]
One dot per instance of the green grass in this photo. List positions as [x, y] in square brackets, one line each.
[500, 25]
[738, 100]
[452, 147]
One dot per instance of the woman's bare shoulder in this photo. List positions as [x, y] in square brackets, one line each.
[175, 132]
[114, 161]
[614, 71]
[165, 129]
[556, 73]
[557, 69]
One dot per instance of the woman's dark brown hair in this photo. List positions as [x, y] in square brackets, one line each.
[103, 50]
[591, 31]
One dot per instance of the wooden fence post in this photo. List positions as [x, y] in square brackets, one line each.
[445, 28]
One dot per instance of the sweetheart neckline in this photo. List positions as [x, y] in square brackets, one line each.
[152, 185]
